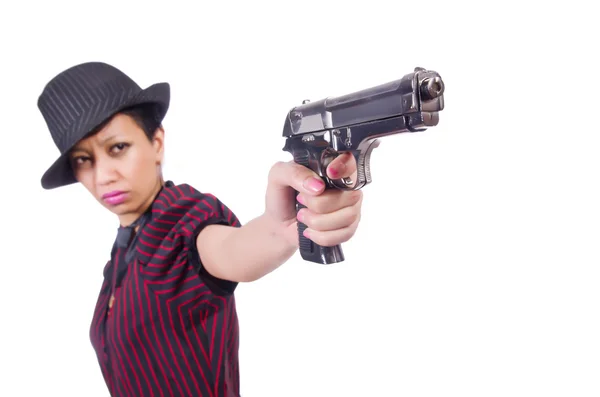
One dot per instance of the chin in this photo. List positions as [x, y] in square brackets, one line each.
[118, 209]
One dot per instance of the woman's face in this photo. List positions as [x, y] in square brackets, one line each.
[120, 167]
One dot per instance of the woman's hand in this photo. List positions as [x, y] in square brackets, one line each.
[331, 216]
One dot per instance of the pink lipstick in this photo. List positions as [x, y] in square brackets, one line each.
[115, 197]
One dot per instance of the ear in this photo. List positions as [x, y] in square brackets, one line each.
[158, 143]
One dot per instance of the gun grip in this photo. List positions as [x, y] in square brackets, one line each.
[309, 250]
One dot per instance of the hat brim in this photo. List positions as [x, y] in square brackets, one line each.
[60, 172]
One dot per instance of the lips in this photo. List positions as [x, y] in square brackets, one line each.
[115, 197]
[112, 194]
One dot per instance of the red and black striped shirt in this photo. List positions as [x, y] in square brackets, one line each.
[163, 326]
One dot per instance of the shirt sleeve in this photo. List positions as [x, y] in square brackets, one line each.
[218, 214]
[198, 211]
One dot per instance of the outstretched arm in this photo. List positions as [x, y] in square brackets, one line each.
[254, 250]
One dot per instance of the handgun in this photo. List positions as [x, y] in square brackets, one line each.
[317, 132]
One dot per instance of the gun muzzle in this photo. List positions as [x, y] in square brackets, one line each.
[432, 88]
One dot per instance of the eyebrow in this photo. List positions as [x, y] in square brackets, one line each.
[101, 142]
[104, 140]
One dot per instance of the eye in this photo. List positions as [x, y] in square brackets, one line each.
[119, 147]
[79, 161]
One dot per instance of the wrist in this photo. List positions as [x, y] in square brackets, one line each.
[282, 232]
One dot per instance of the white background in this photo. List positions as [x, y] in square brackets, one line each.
[476, 268]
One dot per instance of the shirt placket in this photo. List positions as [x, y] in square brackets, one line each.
[119, 260]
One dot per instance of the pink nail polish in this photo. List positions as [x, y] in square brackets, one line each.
[315, 184]
[334, 173]
[300, 199]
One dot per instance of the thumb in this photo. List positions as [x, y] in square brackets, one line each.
[296, 176]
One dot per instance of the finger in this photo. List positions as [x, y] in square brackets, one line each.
[332, 237]
[330, 201]
[340, 219]
[343, 166]
[290, 174]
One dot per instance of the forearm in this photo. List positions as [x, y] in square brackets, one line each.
[246, 253]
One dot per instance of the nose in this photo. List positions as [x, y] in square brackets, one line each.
[105, 172]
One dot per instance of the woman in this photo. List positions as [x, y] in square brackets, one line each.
[165, 323]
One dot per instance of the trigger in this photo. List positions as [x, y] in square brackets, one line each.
[365, 163]
[348, 181]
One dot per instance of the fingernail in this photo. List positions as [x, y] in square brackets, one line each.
[337, 170]
[300, 199]
[300, 216]
[306, 233]
[314, 184]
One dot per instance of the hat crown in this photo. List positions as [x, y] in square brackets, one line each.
[78, 94]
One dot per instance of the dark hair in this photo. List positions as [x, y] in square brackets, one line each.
[146, 117]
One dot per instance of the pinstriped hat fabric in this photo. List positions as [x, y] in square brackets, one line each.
[81, 98]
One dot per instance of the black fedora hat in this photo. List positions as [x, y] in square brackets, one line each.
[79, 99]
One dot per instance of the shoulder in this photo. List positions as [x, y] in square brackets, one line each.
[178, 215]
[185, 205]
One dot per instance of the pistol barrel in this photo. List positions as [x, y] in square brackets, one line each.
[432, 88]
